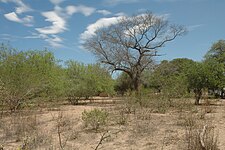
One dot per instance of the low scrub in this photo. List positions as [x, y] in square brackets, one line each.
[95, 118]
[199, 135]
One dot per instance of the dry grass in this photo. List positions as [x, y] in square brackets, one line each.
[178, 125]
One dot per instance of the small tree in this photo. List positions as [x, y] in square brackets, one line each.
[217, 52]
[25, 75]
[86, 81]
[204, 75]
[169, 77]
[130, 44]
[123, 83]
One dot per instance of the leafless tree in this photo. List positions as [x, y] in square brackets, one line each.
[131, 43]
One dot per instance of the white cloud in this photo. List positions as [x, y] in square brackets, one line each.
[120, 14]
[36, 36]
[85, 10]
[58, 19]
[13, 17]
[116, 2]
[58, 23]
[21, 6]
[105, 22]
[104, 12]
[52, 40]
[27, 20]
[92, 28]
[70, 10]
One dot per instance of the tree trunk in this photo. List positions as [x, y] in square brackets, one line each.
[198, 95]
[137, 85]
[222, 94]
[136, 82]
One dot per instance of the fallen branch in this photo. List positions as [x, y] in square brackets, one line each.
[103, 137]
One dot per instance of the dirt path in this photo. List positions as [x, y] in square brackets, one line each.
[220, 124]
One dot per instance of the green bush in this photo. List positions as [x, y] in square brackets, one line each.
[94, 118]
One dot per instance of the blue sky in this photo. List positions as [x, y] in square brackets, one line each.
[62, 25]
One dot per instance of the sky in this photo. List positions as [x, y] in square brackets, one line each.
[62, 26]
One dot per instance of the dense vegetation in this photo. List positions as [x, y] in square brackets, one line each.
[25, 75]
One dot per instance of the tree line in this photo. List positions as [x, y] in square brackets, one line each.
[25, 75]
[129, 46]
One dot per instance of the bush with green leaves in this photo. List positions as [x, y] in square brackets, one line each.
[85, 81]
[205, 75]
[169, 77]
[25, 75]
[94, 118]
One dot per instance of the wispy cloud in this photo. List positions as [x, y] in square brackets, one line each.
[9, 37]
[58, 23]
[52, 40]
[56, 2]
[120, 14]
[104, 12]
[85, 10]
[194, 27]
[21, 6]
[92, 28]
[55, 41]
[116, 2]
[58, 18]
[106, 22]
[27, 20]
[12, 17]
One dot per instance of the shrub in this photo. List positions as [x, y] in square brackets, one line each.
[122, 118]
[199, 135]
[94, 118]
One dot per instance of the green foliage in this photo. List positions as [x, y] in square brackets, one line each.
[205, 75]
[123, 83]
[25, 75]
[94, 118]
[169, 77]
[217, 52]
[86, 81]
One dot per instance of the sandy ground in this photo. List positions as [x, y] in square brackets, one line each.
[143, 131]
[219, 123]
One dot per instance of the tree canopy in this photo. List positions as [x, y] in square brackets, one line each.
[24, 75]
[205, 75]
[169, 77]
[130, 44]
[217, 52]
[86, 81]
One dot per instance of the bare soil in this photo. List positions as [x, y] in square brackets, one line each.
[143, 130]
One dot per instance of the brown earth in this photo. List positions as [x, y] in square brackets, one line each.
[144, 130]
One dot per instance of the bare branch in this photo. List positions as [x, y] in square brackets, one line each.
[131, 44]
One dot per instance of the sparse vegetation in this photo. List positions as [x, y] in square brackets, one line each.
[94, 118]
[146, 106]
